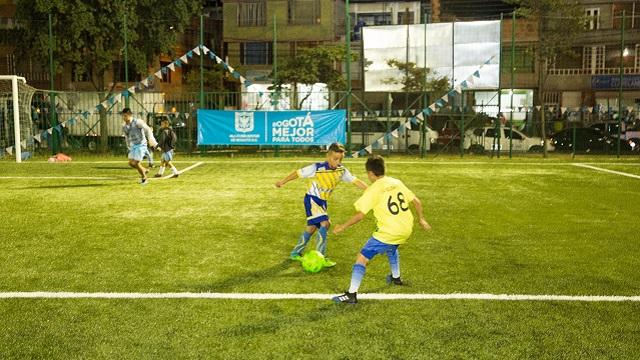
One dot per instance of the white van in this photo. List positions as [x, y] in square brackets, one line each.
[365, 132]
[484, 138]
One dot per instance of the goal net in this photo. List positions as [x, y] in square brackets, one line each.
[16, 130]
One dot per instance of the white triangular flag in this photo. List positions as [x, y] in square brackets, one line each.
[470, 80]
[538, 107]
[132, 90]
[38, 137]
[590, 108]
[186, 115]
[354, 154]
[10, 150]
[117, 98]
[230, 69]
[205, 50]
[23, 143]
[158, 74]
[197, 50]
[629, 108]
[420, 116]
[432, 107]
[184, 59]
[368, 149]
[563, 109]
[380, 141]
[394, 133]
[63, 124]
[408, 125]
[458, 89]
[218, 60]
[172, 66]
[50, 130]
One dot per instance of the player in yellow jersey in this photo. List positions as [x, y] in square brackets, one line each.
[389, 199]
[323, 179]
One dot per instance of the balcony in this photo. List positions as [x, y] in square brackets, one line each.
[603, 71]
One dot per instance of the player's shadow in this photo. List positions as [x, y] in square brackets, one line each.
[123, 167]
[253, 276]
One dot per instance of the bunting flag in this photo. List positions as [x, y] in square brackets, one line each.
[630, 108]
[394, 133]
[23, 143]
[9, 150]
[476, 73]
[63, 124]
[190, 55]
[178, 63]
[563, 110]
[205, 49]
[197, 50]
[38, 137]
[590, 109]
[368, 149]
[538, 107]
[172, 66]
[408, 124]
[50, 131]
[183, 58]
[132, 90]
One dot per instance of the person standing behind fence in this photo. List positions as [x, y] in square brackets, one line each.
[137, 134]
[167, 143]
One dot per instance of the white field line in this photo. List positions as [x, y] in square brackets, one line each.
[608, 171]
[63, 177]
[180, 171]
[272, 296]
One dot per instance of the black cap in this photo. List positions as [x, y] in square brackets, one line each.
[126, 111]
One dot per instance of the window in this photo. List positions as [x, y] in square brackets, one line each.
[491, 132]
[256, 53]
[118, 72]
[523, 60]
[304, 12]
[516, 135]
[405, 17]
[593, 58]
[252, 13]
[375, 18]
[593, 18]
[166, 77]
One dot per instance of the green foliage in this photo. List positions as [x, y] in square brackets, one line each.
[89, 33]
[315, 65]
[418, 79]
[213, 79]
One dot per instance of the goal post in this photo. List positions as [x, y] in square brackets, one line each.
[15, 108]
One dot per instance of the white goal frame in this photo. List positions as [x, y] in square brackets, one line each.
[16, 113]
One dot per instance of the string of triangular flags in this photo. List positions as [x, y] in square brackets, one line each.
[424, 113]
[598, 109]
[199, 50]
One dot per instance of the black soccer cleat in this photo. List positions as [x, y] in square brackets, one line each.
[394, 281]
[346, 298]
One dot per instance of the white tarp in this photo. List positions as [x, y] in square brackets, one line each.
[475, 42]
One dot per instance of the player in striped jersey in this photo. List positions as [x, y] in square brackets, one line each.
[323, 179]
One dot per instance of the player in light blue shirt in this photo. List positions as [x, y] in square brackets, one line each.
[137, 134]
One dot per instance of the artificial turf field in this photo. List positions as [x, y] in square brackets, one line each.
[523, 226]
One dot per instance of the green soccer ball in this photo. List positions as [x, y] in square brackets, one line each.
[312, 261]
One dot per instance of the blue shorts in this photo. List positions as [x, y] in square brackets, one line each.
[137, 152]
[316, 210]
[167, 156]
[374, 247]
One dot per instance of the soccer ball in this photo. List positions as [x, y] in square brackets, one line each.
[312, 261]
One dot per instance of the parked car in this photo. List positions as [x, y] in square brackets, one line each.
[484, 138]
[630, 134]
[587, 140]
[365, 132]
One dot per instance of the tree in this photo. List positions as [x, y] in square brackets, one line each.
[88, 35]
[418, 79]
[311, 66]
[559, 24]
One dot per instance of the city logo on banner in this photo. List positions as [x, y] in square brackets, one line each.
[244, 122]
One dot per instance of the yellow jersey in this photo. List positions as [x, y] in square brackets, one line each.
[389, 199]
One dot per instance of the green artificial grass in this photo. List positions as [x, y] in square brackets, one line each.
[501, 226]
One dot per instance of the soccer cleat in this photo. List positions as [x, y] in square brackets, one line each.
[394, 281]
[157, 175]
[144, 181]
[346, 298]
[329, 263]
[175, 176]
[295, 257]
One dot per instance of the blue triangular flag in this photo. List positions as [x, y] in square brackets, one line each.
[164, 70]
[452, 93]
[464, 84]
[247, 83]
[428, 111]
[190, 53]
[212, 56]
[236, 75]
[476, 73]
[85, 114]
[178, 63]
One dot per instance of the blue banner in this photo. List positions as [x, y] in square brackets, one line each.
[613, 82]
[218, 127]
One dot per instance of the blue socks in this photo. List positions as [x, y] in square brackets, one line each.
[302, 242]
[356, 277]
[394, 262]
[321, 246]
